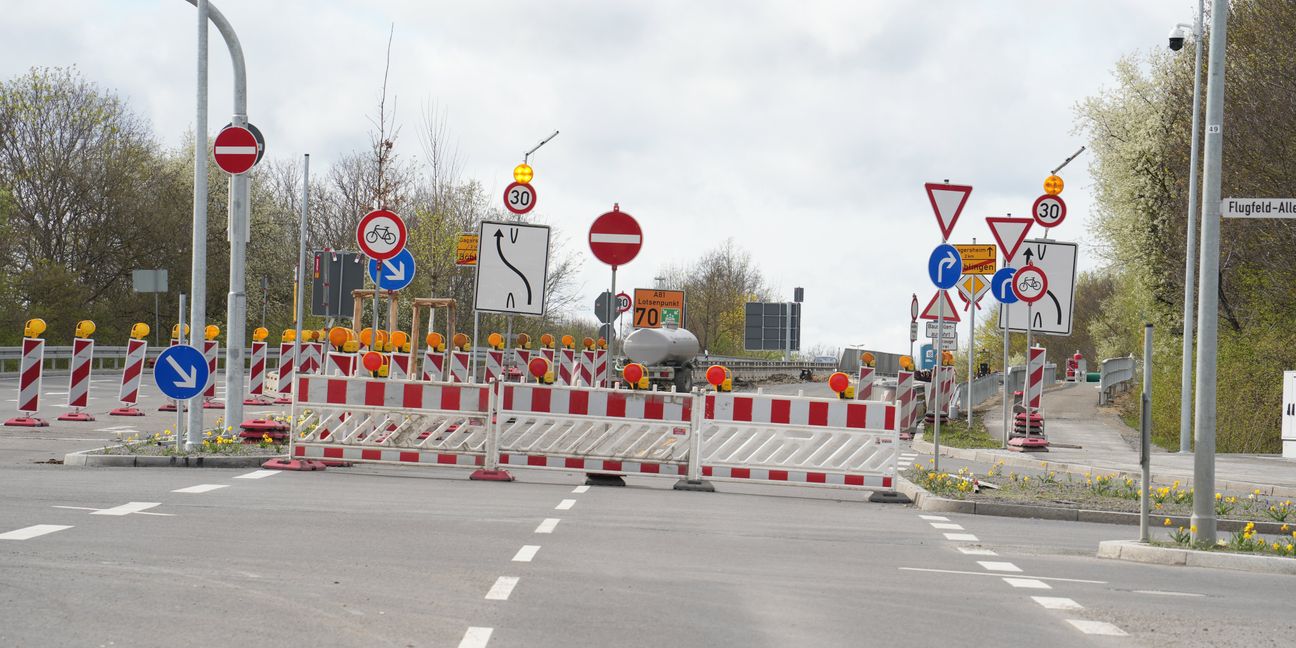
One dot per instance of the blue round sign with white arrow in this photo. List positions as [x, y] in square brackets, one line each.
[181, 372]
[397, 272]
[1001, 284]
[945, 266]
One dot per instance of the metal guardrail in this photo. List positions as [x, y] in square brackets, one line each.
[983, 389]
[1116, 374]
[1017, 376]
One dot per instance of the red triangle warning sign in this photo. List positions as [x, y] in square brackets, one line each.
[1009, 233]
[950, 314]
[947, 201]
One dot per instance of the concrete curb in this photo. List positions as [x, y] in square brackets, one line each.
[981, 455]
[89, 459]
[926, 501]
[1134, 551]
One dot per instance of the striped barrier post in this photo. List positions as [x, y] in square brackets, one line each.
[29, 383]
[864, 390]
[340, 363]
[287, 371]
[587, 368]
[169, 405]
[602, 377]
[132, 374]
[256, 376]
[399, 367]
[905, 402]
[433, 365]
[1028, 427]
[523, 359]
[211, 351]
[567, 367]
[459, 364]
[550, 355]
[494, 365]
[79, 380]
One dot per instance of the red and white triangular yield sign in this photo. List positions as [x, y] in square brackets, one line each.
[932, 310]
[1009, 234]
[947, 201]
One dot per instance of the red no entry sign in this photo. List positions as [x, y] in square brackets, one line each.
[235, 150]
[615, 237]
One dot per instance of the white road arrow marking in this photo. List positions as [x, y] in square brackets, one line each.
[395, 272]
[189, 380]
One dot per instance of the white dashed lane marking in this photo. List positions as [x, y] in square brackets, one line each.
[1057, 603]
[1096, 627]
[580, 489]
[27, 533]
[476, 637]
[259, 474]
[999, 566]
[201, 488]
[565, 504]
[127, 508]
[547, 526]
[947, 525]
[934, 518]
[977, 552]
[502, 588]
[961, 537]
[526, 553]
[1027, 583]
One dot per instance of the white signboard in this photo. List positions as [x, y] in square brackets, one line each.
[1052, 314]
[1289, 415]
[1258, 208]
[512, 265]
[948, 331]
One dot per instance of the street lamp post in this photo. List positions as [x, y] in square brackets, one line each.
[1203, 517]
[1185, 380]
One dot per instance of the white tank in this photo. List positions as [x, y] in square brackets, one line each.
[661, 346]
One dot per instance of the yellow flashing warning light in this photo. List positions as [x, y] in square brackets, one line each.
[1053, 185]
[523, 173]
[260, 333]
[139, 331]
[85, 328]
[211, 332]
[495, 340]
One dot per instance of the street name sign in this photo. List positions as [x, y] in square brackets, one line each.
[512, 268]
[1258, 208]
[947, 331]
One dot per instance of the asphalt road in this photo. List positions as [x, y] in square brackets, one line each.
[395, 556]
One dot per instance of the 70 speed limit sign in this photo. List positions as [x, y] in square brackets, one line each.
[519, 197]
[1049, 211]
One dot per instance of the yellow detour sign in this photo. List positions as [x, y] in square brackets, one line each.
[466, 250]
[971, 288]
[653, 308]
[977, 259]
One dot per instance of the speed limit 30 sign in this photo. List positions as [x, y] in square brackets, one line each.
[1049, 211]
[519, 198]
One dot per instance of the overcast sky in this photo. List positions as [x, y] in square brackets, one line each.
[803, 130]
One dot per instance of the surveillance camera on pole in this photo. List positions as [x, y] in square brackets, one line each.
[1179, 35]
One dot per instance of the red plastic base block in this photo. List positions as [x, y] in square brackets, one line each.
[1035, 416]
[905, 436]
[256, 429]
[75, 416]
[481, 474]
[258, 401]
[169, 407]
[213, 404]
[27, 421]
[283, 400]
[125, 411]
[293, 464]
[1029, 442]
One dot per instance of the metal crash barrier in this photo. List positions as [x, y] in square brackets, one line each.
[1117, 374]
[687, 436]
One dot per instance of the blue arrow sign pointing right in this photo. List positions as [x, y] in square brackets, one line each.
[1001, 286]
[181, 372]
[945, 266]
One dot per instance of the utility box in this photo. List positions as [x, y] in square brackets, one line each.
[1289, 415]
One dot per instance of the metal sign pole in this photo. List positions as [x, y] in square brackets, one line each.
[1145, 441]
[180, 404]
[1026, 392]
[611, 306]
[300, 307]
[1007, 404]
[198, 266]
[936, 382]
[971, 355]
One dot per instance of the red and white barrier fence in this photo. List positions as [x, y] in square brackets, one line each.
[722, 436]
[29, 384]
[132, 374]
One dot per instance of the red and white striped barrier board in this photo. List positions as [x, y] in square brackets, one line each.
[169, 405]
[601, 377]
[340, 363]
[399, 367]
[211, 351]
[256, 376]
[808, 441]
[312, 358]
[29, 383]
[494, 365]
[392, 394]
[587, 368]
[459, 366]
[601, 403]
[567, 367]
[79, 380]
[433, 365]
[552, 356]
[864, 389]
[287, 368]
[132, 374]
[905, 401]
[523, 358]
[1035, 379]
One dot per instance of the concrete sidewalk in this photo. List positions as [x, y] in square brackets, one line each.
[1087, 438]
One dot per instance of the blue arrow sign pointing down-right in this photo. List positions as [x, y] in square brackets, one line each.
[397, 272]
[181, 372]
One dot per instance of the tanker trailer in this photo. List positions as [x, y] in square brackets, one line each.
[667, 353]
